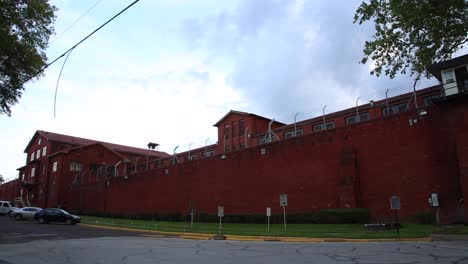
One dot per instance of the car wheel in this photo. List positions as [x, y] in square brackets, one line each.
[41, 220]
[69, 222]
[18, 217]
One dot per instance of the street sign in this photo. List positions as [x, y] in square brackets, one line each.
[268, 211]
[220, 211]
[435, 199]
[395, 203]
[283, 200]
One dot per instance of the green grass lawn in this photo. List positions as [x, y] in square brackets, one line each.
[293, 230]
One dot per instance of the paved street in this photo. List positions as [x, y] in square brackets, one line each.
[12, 231]
[172, 250]
[28, 242]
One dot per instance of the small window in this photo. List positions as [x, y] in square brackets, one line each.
[38, 153]
[241, 128]
[356, 119]
[226, 131]
[39, 141]
[44, 151]
[327, 126]
[76, 166]
[54, 166]
[395, 109]
[448, 76]
[32, 156]
[192, 157]
[228, 148]
[33, 172]
[209, 153]
[234, 129]
[293, 133]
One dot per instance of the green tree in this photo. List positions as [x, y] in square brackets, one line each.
[25, 27]
[412, 34]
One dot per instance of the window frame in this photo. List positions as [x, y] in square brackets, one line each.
[293, 133]
[366, 114]
[76, 166]
[395, 109]
[208, 153]
[241, 127]
[332, 126]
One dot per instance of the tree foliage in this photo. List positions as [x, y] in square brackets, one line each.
[25, 27]
[412, 34]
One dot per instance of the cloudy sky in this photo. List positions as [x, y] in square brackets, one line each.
[165, 71]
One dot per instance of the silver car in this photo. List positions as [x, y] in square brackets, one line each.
[24, 213]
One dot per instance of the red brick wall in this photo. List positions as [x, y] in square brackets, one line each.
[9, 190]
[355, 166]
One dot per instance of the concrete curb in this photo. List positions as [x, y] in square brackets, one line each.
[201, 236]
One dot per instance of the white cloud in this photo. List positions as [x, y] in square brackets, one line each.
[167, 71]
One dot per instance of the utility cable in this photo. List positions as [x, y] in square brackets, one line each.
[58, 80]
[81, 41]
[76, 21]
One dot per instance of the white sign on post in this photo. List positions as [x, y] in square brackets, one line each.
[435, 199]
[283, 200]
[284, 203]
[268, 213]
[220, 211]
[395, 203]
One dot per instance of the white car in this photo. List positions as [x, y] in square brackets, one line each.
[6, 208]
[24, 213]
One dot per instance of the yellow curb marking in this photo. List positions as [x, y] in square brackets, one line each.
[201, 236]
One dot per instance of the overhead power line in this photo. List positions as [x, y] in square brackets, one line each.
[76, 21]
[81, 41]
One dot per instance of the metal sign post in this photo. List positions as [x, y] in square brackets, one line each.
[395, 206]
[284, 203]
[220, 215]
[191, 218]
[268, 213]
[435, 203]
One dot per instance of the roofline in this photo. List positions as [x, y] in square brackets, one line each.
[352, 110]
[132, 150]
[246, 114]
[31, 140]
[436, 68]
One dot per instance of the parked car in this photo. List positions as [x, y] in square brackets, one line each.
[56, 215]
[24, 213]
[6, 208]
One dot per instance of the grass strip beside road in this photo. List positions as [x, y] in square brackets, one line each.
[353, 231]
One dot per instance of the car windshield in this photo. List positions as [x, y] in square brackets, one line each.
[63, 211]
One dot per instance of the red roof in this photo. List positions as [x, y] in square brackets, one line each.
[77, 141]
[246, 114]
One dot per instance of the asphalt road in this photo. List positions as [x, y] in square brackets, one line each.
[12, 231]
[173, 250]
[29, 242]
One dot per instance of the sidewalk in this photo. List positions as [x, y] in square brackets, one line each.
[449, 237]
